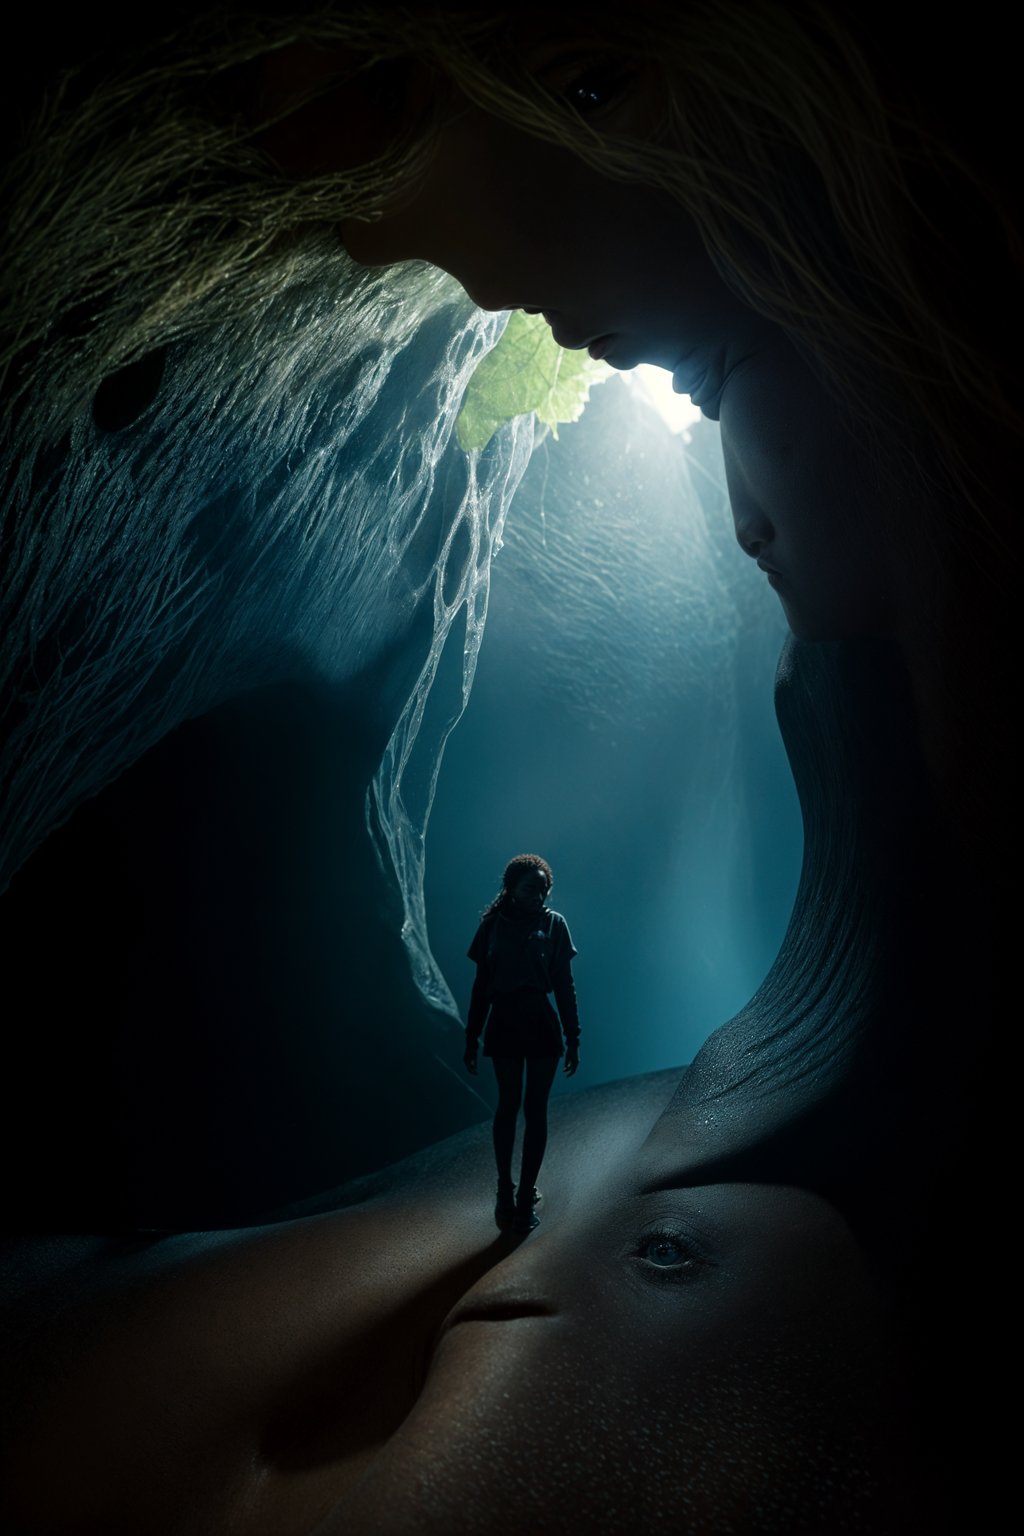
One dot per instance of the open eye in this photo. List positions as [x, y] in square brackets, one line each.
[667, 1251]
[589, 81]
[597, 86]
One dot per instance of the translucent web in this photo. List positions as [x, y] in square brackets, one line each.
[292, 503]
[401, 795]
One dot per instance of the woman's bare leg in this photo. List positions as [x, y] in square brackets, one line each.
[509, 1073]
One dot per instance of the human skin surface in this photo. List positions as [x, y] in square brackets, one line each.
[244, 1381]
[398, 1365]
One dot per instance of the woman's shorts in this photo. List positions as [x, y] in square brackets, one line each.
[522, 1023]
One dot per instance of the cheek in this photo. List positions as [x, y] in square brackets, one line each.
[799, 482]
[524, 1423]
[778, 439]
[532, 1423]
[431, 225]
[454, 210]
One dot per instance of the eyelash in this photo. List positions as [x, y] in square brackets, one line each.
[687, 1265]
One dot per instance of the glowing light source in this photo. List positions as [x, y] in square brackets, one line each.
[654, 385]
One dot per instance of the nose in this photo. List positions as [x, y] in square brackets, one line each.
[754, 529]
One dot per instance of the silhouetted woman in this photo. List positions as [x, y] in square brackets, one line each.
[523, 951]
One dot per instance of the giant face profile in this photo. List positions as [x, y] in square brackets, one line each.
[242, 549]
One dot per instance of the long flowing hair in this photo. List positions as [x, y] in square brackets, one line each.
[830, 191]
[830, 196]
[833, 188]
[140, 208]
[839, 197]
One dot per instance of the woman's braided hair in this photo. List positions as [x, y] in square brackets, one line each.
[515, 869]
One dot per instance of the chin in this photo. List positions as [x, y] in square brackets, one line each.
[800, 625]
[804, 631]
[810, 621]
[814, 626]
[837, 611]
[822, 627]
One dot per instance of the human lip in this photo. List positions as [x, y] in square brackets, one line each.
[495, 1309]
[563, 336]
[506, 1315]
[774, 575]
[571, 340]
[597, 346]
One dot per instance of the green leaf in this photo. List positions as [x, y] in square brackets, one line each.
[526, 371]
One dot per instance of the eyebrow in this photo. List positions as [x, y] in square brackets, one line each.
[564, 49]
[775, 1159]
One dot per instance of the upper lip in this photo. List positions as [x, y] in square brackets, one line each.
[770, 570]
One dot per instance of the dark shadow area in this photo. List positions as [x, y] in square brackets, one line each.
[229, 1015]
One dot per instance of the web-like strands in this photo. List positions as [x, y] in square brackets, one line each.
[291, 503]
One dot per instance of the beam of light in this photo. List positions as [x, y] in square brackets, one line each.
[654, 386]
